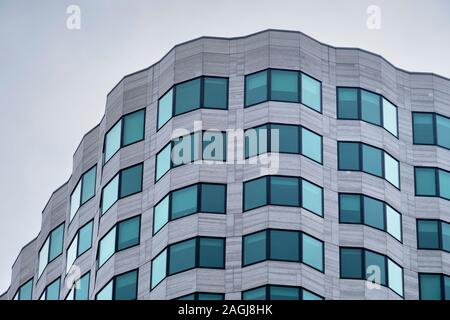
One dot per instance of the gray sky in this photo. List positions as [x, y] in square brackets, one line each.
[49, 74]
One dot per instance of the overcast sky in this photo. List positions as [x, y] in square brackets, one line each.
[54, 81]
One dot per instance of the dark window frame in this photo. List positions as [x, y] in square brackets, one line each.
[268, 286]
[436, 182]
[439, 234]
[114, 280]
[441, 280]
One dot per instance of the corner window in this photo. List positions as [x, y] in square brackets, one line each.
[284, 85]
[348, 103]
[165, 108]
[202, 296]
[84, 191]
[80, 290]
[25, 292]
[51, 249]
[187, 96]
[256, 88]
[432, 182]
[311, 93]
[278, 292]
[51, 292]
[433, 286]
[216, 93]
[433, 234]
[121, 287]
[370, 107]
[80, 244]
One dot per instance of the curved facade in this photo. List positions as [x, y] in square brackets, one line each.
[106, 216]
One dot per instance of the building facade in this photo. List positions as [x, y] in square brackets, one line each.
[357, 187]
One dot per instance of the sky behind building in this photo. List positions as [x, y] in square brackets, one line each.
[49, 73]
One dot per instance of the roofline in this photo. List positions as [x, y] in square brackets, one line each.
[278, 30]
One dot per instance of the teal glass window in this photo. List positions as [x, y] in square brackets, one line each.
[443, 131]
[256, 88]
[212, 253]
[159, 267]
[393, 223]
[255, 193]
[165, 108]
[423, 128]
[350, 208]
[312, 197]
[370, 107]
[372, 160]
[375, 265]
[444, 184]
[284, 191]
[106, 247]
[447, 287]
[255, 294]
[391, 170]
[126, 286]
[72, 253]
[210, 296]
[88, 189]
[131, 181]
[445, 233]
[80, 291]
[284, 138]
[182, 256]
[133, 127]
[213, 198]
[187, 297]
[43, 257]
[311, 145]
[307, 295]
[348, 103]
[311, 92]
[187, 96]
[75, 200]
[184, 202]
[284, 85]
[25, 291]
[110, 194]
[428, 234]
[56, 242]
[349, 156]
[425, 179]
[163, 161]
[113, 140]
[395, 281]
[256, 141]
[374, 213]
[430, 287]
[52, 291]
[390, 117]
[214, 146]
[351, 263]
[284, 293]
[254, 248]
[106, 293]
[312, 252]
[85, 238]
[161, 214]
[215, 93]
[128, 233]
[284, 245]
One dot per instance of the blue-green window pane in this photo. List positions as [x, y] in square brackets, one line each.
[311, 93]
[82, 292]
[26, 290]
[423, 129]
[165, 108]
[375, 267]
[163, 161]
[255, 248]
[187, 96]
[187, 297]
[210, 296]
[112, 140]
[106, 293]
[348, 103]
[215, 95]
[107, 247]
[370, 107]
[374, 213]
[43, 257]
[88, 190]
[212, 253]
[255, 294]
[307, 295]
[255, 193]
[349, 156]
[131, 181]
[182, 256]
[393, 223]
[56, 242]
[395, 277]
[284, 85]
[284, 293]
[444, 184]
[126, 286]
[133, 127]
[350, 208]
[430, 287]
[159, 265]
[128, 233]
[445, 236]
[75, 200]
[284, 191]
[391, 170]
[214, 146]
[52, 291]
[390, 117]
[110, 194]
[161, 214]
[186, 149]
[85, 238]
[256, 88]
[312, 252]
[213, 198]
[72, 253]
[351, 263]
[372, 160]
[447, 287]
[256, 141]
[312, 197]
[425, 181]
[311, 145]
[284, 138]
[428, 234]
[284, 245]
[184, 202]
[443, 131]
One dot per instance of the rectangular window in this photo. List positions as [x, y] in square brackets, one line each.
[112, 140]
[284, 191]
[284, 138]
[43, 257]
[159, 267]
[428, 234]
[391, 170]
[312, 197]
[444, 184]
[106, 293]
[110, 194]
[349, 156]
[390, 117]
[443, 131]
[255, 193]
[212, 253]
[128, 233]
[182, 256]
[256, 88]
[214, 146]
[85, 238]
[312, 252]
[71, 253]
[125, 286]
[161, 214]
[254, 248]
[130, 181]
[311, 93]
[56, 242]
[370, 107]
[393, 223]
[25, 291]
[348, 103]
[395, 273]
[163, 161]
[165, 108]
[75, 199]
[351, 263]
[425, 179]
[445, 231]
[284, 245]
[375, 267]
[80, 291]
[284, 293]
[184, 202]
[88, 189]
[133, 127]
[187, 96]
[430, 287]
[423, 129]
[213, 198]
[350, 208]
[52, 291]
[372, 160]
[215, 93]
[284, 85]
[374, 213]
[256, 140]
[311, 145]
[255, 294]
[106, 247]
